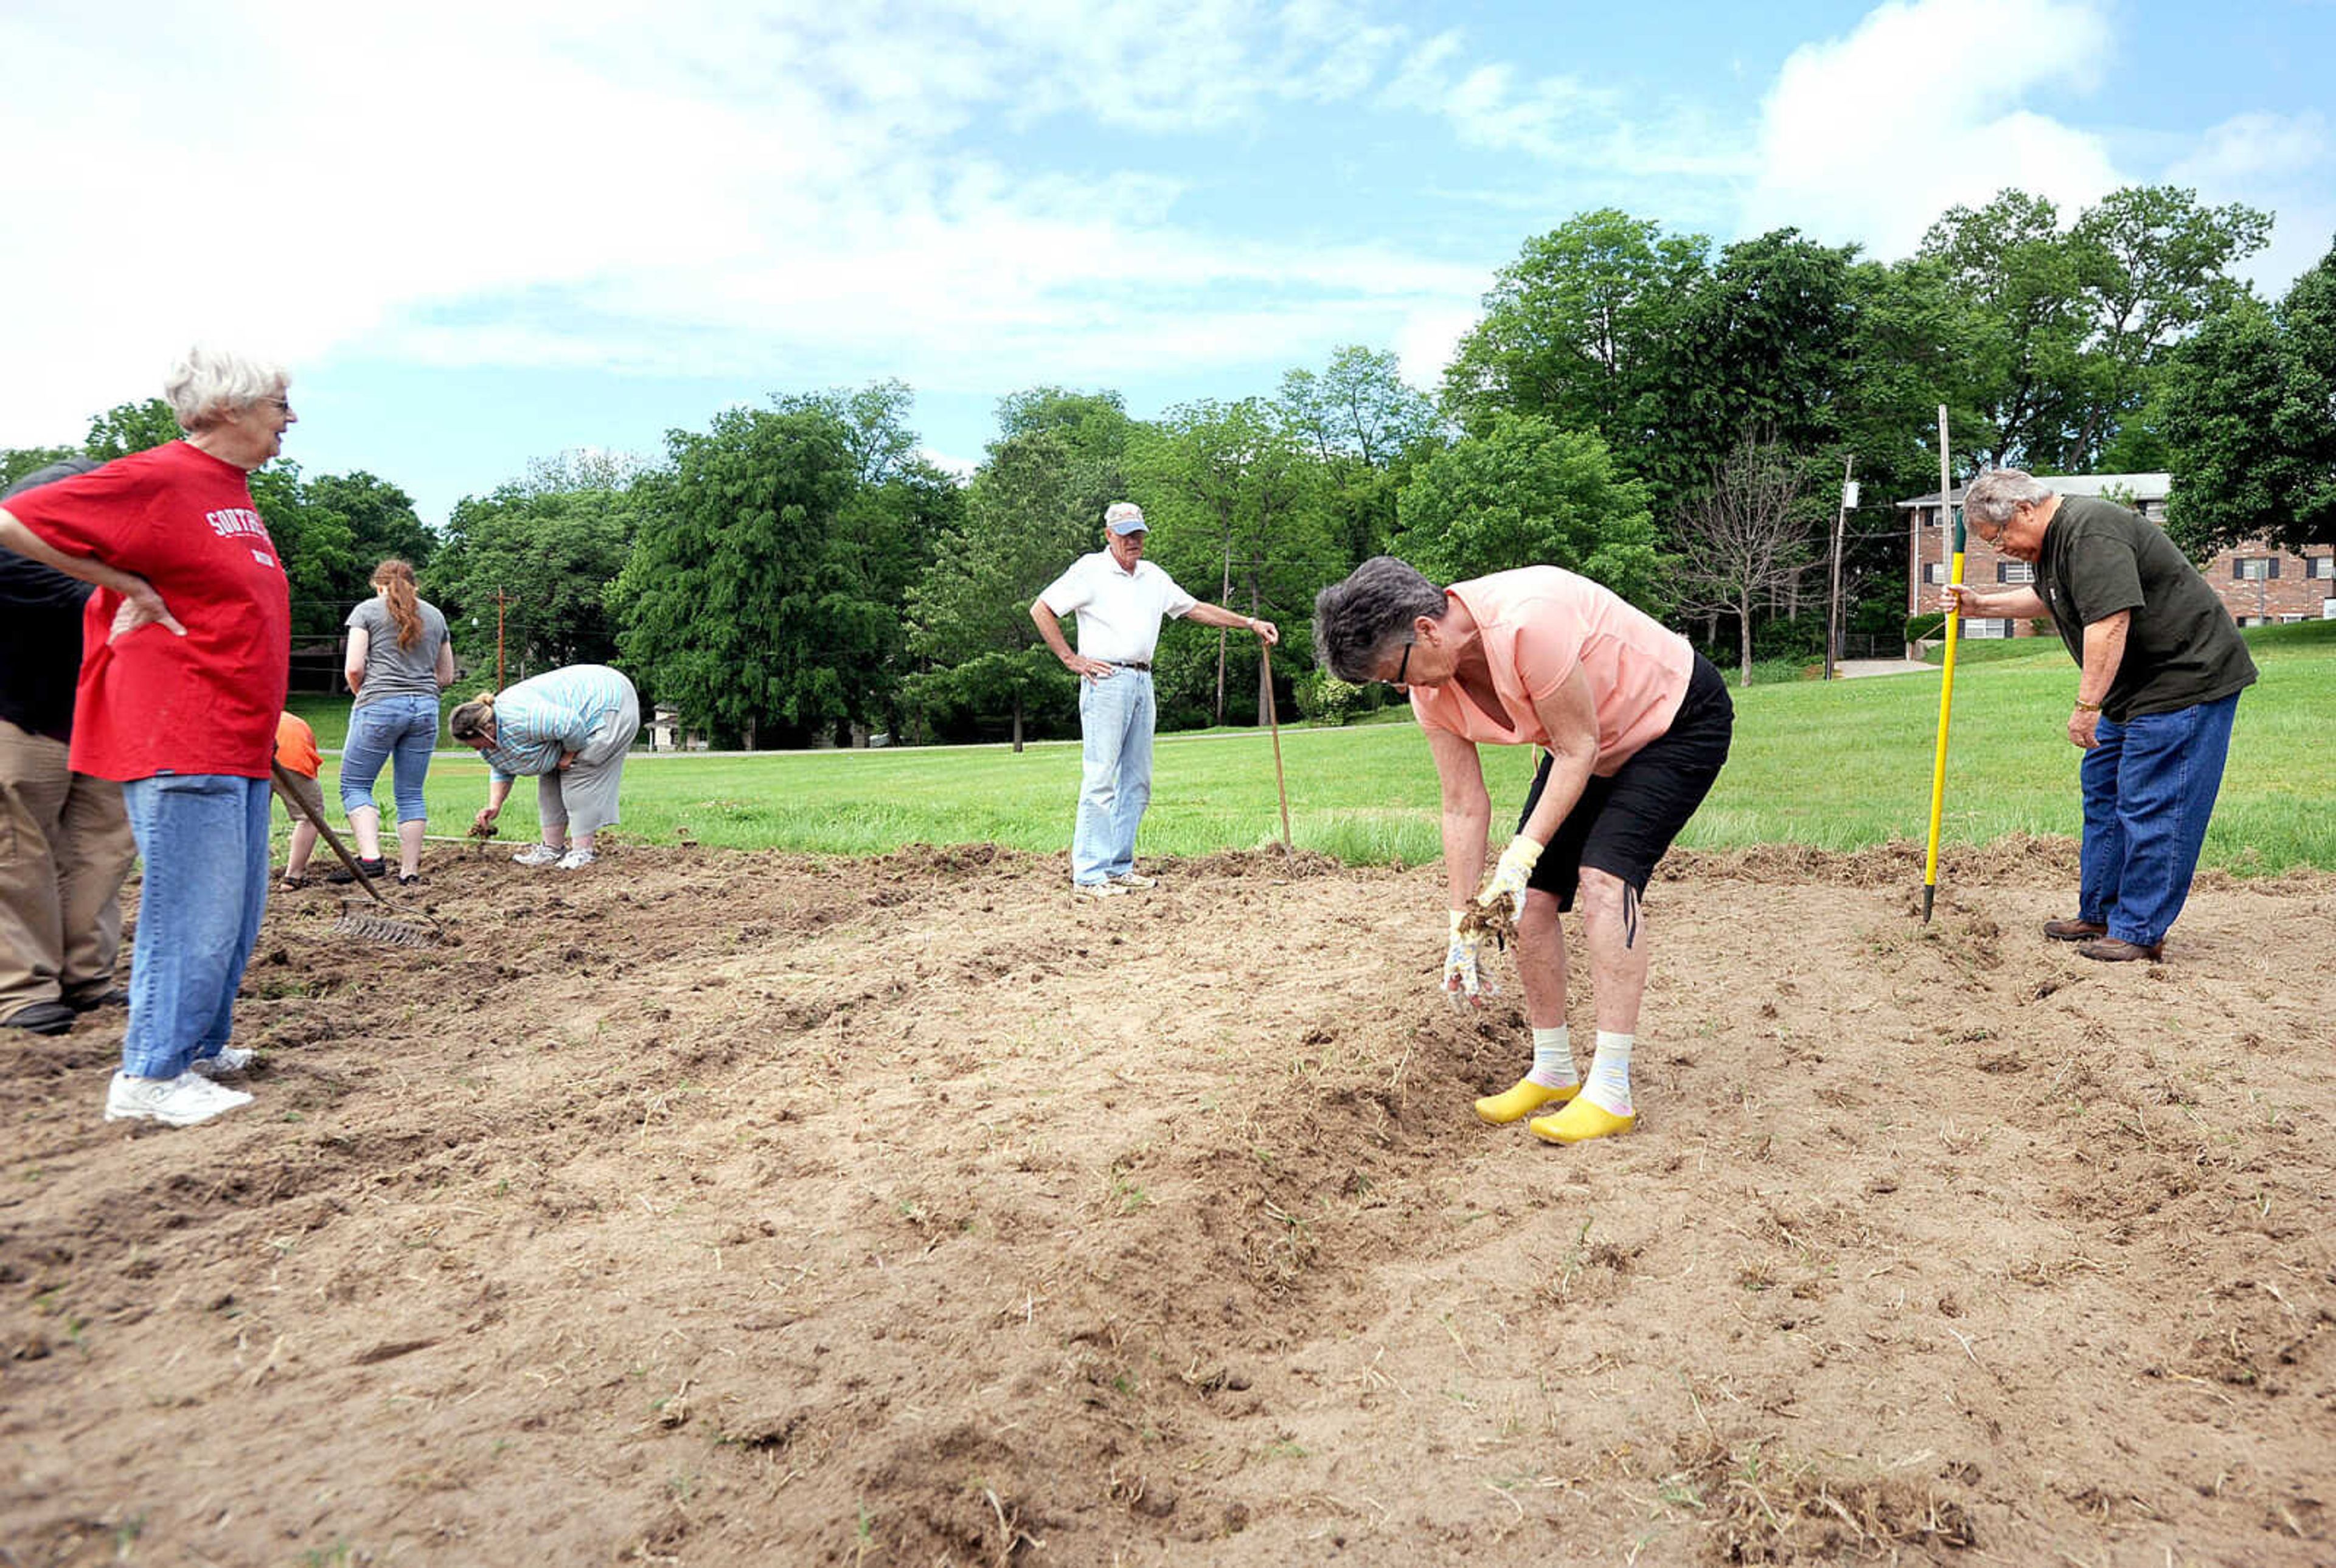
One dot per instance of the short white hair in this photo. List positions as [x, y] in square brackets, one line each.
[1995, 496]
[207, 383]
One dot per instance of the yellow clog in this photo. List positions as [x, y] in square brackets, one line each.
[1522, 1100]
[1579, 1123]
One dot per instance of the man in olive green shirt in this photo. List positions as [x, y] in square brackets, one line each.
[2162, 667]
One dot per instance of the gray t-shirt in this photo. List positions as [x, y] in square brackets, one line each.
[390, 670]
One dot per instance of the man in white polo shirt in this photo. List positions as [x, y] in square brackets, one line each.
[1119, 598]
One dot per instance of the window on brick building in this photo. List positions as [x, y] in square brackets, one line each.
[1934, 571]
[2014, 571]
[2319, 566]
[2254, 567]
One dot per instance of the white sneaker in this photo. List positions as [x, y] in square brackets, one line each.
[178, 1102]
[538, 856]
[1097, 890]
[230, 1059]
[1136, 880]
[576, 860]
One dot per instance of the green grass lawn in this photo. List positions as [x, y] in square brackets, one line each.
[1840, 766]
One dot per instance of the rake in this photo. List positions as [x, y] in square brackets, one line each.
[356, 921]
[1274, 719]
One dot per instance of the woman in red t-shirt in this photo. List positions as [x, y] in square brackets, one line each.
[186, 655]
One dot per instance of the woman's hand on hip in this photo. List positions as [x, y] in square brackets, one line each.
[141, 606]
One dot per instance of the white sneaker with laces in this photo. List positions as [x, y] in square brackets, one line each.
[576, 860]
[1097, 890]
[179, 1101]
[538, 856]
[1136, 880]
[230, 1059]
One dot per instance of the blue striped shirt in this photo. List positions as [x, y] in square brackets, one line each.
[542, 719]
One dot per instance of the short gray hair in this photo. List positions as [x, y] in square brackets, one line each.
[207, 383]
[1993, 496]
[1357, 621]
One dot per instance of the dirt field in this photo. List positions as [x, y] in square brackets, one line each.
[713, 1209]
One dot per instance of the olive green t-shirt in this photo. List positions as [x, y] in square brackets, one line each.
[2182, 648]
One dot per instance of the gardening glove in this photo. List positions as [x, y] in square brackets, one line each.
[1509, 877]
[1463, 984]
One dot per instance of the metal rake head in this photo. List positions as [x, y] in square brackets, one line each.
[355, 923]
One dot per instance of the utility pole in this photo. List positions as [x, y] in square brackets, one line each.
[1840, 522]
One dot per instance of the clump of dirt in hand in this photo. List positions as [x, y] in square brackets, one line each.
[1497, 919]
[483, 830]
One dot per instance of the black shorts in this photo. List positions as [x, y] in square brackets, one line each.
[1623, 824]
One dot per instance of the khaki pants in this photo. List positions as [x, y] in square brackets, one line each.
[64, 848]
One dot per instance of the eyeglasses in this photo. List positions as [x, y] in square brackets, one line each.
[1404, 665]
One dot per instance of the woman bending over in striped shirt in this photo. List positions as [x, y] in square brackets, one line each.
[569, 728]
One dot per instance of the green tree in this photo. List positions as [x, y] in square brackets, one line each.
[2077, 322]
[1526, 493]
[535, 557]
[129, 427]
[2249, 416]
[1581, 329]
[1236, 503]
[1366, 425]
[16, 462]
[381, 519]
[745, 605]
[1036, 506]
[2154, 264]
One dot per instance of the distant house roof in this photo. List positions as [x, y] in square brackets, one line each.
[2142, 487]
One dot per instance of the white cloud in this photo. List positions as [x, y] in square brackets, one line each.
[696, 191]
[1870, 136]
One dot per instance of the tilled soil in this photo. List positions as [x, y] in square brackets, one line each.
[707, 1209]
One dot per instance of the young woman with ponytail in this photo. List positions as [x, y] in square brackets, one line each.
[399, 660]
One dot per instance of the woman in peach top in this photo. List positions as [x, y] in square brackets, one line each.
[1634, 726]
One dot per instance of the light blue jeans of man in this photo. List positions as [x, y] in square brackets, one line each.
[2149, 788]
[204, 839]
[1115, 774]
[397, 729]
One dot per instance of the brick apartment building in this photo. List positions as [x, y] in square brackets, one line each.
[2258, 584]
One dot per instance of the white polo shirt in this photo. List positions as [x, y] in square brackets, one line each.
[1119, 611]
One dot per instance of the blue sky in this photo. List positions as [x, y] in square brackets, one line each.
[482, 234]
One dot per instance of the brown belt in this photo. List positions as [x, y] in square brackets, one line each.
[1130, 664]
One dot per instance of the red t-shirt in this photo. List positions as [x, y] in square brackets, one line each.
[154, 701]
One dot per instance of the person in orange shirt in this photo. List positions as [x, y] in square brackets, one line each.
[1634, 725]
[296, 749]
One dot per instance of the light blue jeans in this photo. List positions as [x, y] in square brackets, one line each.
[402, 728]
[204, 839]
[2149, 789]
[1115, 774]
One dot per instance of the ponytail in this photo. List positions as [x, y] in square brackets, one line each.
[395, 578]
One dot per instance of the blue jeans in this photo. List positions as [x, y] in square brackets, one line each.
[1115, 774]
[400, 727]
[204, 839]
[2149, 788]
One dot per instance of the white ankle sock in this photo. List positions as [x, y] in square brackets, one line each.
[1609, 1074]
[1553, 1066]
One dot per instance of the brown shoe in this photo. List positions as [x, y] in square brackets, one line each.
[2111, 950]
[2074, 931]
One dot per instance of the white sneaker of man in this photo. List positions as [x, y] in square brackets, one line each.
[1136, 880]
[538, 856]
[576, 860]
[230, 1059]
[1097, 890]
[179, 1101]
